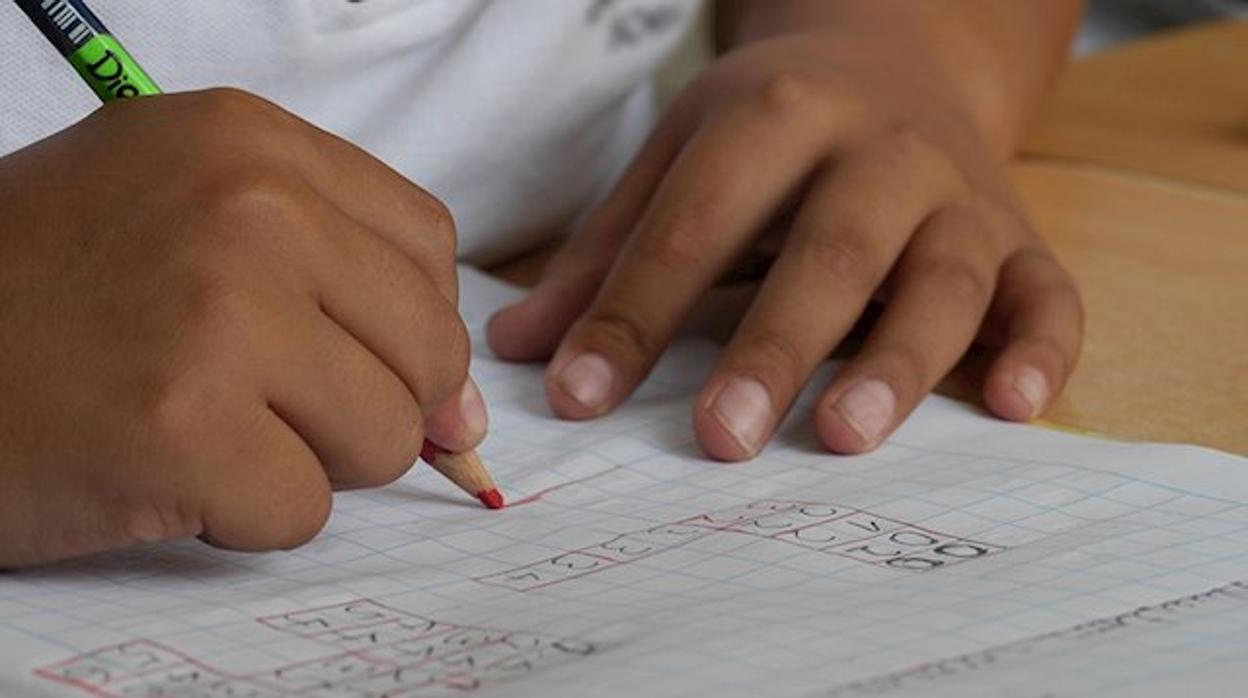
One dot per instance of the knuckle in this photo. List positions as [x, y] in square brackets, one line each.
[232, 103]
[844, 255]
[171, 413]
[906, 141]
[678, 243]
[211, 310]
[250, 198]
[963, 280]
[902, 147]
[980, 210]
[441, 221]
[778, 354]
[972, 211]
[622, 333]
[228, 115]
[785, 93]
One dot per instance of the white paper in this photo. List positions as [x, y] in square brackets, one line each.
[967, 557]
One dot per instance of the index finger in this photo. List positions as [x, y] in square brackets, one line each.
[722, 189]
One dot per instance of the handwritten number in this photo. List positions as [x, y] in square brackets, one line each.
[961, 550]
[914, 563]
[910, 537]
[562, 561]
[871, 526]
[814, 512]
[621, 546]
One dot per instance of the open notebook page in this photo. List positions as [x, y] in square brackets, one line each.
[966, 557]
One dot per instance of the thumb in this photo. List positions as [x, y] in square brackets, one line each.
[459, 423]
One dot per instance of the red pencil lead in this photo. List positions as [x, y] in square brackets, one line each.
[465, 470]
[491, 498]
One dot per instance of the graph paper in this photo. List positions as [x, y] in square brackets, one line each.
[965, 557]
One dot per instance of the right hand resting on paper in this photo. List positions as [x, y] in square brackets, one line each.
[212, 313]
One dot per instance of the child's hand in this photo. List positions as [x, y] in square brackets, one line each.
[884, 185]
[210, 314]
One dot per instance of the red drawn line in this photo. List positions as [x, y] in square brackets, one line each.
[89, 688]
[538, 496]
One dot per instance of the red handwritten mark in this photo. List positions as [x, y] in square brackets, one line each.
[538, 496]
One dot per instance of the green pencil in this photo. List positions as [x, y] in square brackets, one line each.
[108, 69]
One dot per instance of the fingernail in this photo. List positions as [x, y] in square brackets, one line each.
[743, 409]
[472, 408]
[868, 409]
[588, 379]
[1033, 387]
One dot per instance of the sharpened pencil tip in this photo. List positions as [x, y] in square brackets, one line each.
[491, 498]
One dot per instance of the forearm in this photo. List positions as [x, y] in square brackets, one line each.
[998, 56]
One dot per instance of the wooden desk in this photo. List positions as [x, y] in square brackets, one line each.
[1174, 105]
[1163, 268]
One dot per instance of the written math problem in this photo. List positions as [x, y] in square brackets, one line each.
[827, 528]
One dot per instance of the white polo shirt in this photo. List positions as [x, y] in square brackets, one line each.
[517, 113]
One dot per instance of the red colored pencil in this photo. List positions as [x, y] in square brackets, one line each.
[465, 470]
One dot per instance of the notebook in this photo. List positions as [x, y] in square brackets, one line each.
[966, 557]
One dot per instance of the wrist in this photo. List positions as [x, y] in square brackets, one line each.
[973, 62]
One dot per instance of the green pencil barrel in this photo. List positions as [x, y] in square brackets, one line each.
[110, 70]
